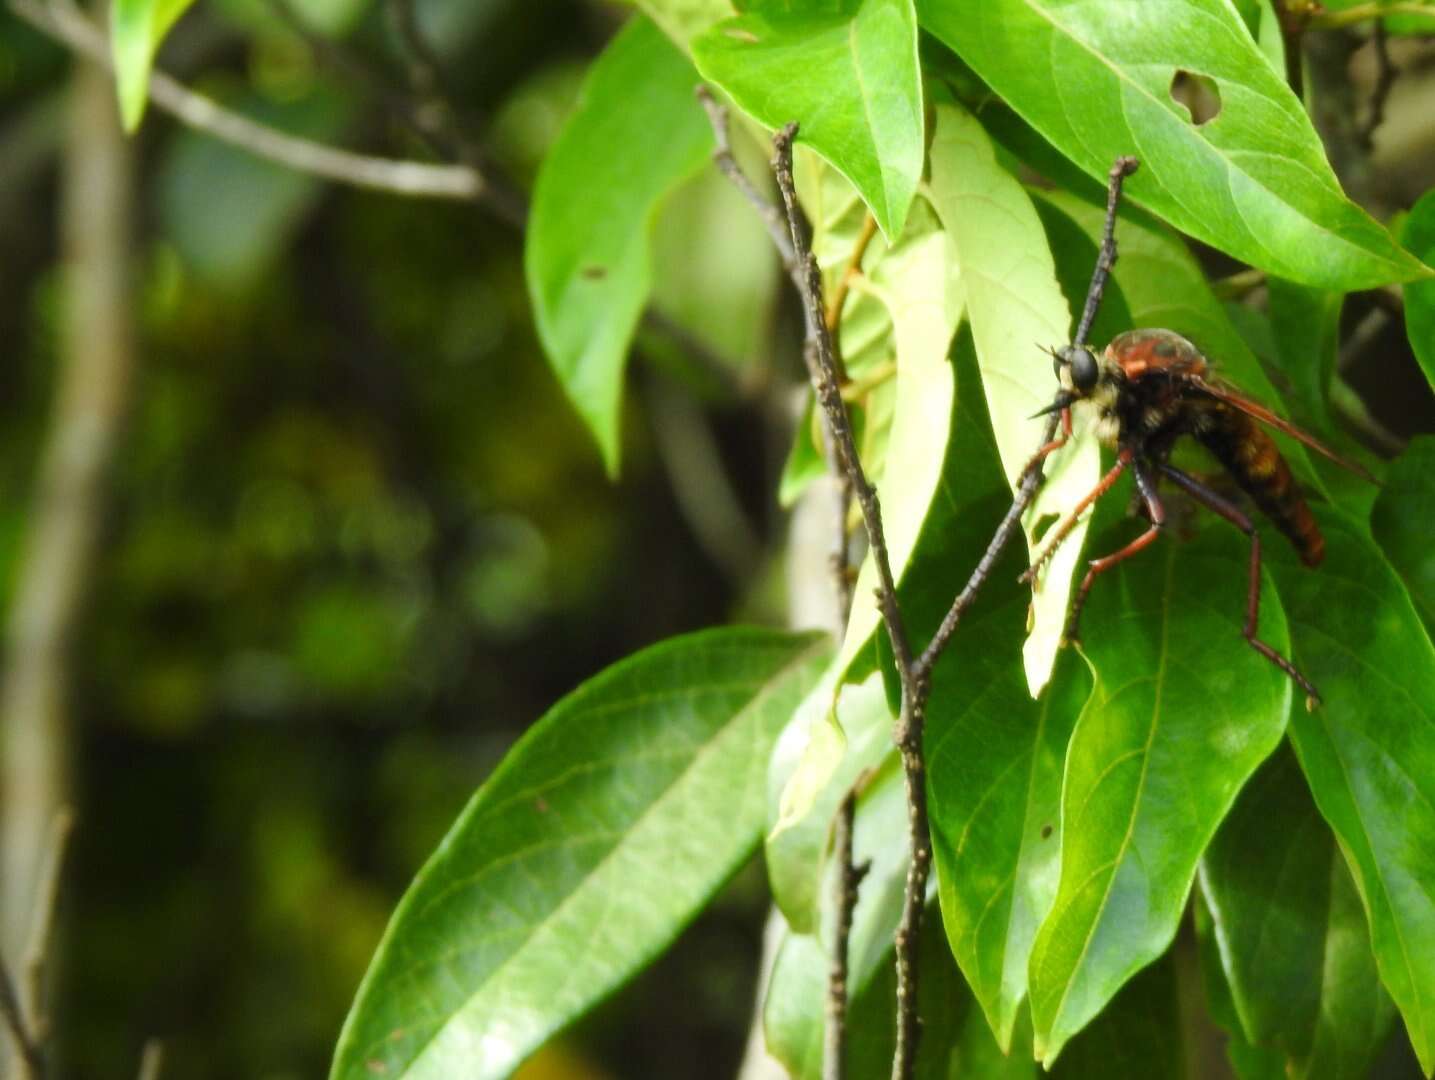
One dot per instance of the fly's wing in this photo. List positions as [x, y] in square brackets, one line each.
[1234, 398]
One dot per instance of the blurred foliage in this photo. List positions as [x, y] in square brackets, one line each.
[357, 540]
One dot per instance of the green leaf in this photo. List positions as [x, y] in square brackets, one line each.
[136, 29]
[604, 830]
[1253, 181]
[684, 20]
[1163, 286]
[850, 80]
[1015, 307]
[1249, 1062]
[1136, 1037]
[587, 256]
[1265, 27]
[995, 757]
[1418, 234]
[1290, 932]
[1183, 712]
[1369, 752]
[1401, 522]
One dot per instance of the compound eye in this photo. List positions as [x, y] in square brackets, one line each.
[1083, 370]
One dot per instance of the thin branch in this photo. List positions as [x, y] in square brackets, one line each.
[67, 25]
[1321, 19]
[849, 879]
[1384, 81]
[43, 922]
[32, 1054]
[769, 213]
[1122, 168]
[910, 721]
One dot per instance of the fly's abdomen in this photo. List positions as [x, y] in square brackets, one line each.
[1256, 464]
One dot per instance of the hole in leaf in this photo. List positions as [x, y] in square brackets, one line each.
[1043, 523]
[1197, 94]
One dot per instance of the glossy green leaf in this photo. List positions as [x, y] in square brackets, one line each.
[1253, 181]
[587, 256]
[1183, 712]
[1401, 522]
[1369, 752]
[1290, 932]
[1163, 286]
[850, 80]
[1249, 1062]
[1418, 235]
[995, 758]
[136, 29]
[604, 830]
[1015, 307]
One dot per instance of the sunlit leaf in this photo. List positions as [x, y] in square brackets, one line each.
[1183, 712]
[136, 29]
[1291, 935]
[1096, 81]
[1418, 235]
[1016, 308]
[602, 833]
[849, 78]
[1401, 522]
[587, 254]
[1369, 752]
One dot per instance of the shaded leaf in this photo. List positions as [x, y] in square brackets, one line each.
[1182, 713]
[1249, 1062]
[1253, 181]
[1369, 752]
[136, 29]
[1401, 521]
[1418, 234]
[1290, 934]
[848, 77]
[604, 830]
[587, 257]
[1015, 307]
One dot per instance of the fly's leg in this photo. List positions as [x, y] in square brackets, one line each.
[1157, 513]
[1228, 510]
[1062, 530]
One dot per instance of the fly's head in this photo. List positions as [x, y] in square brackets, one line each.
[1077, 369]
[1086, 376]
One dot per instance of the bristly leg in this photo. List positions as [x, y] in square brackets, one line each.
[1157, 513]
[1228, 510]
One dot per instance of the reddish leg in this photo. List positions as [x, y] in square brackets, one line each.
[1157, 513]
[1062, 530]
[1228, 510]
[1055, 444]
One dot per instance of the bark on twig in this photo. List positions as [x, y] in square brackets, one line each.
[849, 879]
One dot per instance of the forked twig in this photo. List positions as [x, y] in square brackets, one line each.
[914, 671]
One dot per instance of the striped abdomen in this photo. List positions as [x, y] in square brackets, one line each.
[1253, 460]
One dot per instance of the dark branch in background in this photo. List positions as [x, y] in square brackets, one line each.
[26, 1018]
[1385, 74]
[66, 24]
[849, 878]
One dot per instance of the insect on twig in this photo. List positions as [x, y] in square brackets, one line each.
[1148, 388]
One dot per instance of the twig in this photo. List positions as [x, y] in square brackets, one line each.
[410, 178]
[1322, 19]
[43, 921]
[1032, 475]
[849, 879]
[1384, 81]
[908, 731]
[768, 211]
[854, 267]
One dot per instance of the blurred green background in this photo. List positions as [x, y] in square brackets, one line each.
[352, 541]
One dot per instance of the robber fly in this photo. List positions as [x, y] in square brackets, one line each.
[1149, 388]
